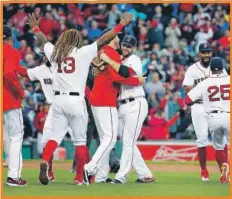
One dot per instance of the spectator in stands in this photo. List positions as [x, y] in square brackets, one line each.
[173, 33]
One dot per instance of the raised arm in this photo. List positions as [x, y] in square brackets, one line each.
[34, 23]
[106, 38]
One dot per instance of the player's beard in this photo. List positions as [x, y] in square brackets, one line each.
[126, 53]
[205, 61]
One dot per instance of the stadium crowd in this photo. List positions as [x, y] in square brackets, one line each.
[168, 39]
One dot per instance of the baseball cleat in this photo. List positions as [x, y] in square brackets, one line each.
[87, 176]
[51, 177]
[43, 175]
[108, 180]
[78, 183]
[115, 181]
[145, 180]
[16, 183]
[205, 175]
[225, 170]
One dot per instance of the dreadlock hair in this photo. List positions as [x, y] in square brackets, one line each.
[66, 42]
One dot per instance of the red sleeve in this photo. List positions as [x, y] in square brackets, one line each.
[22, 71]
[12, 83]
[131, 71]
[133, 81]
[173, 120]
[11, 63]
[188, 101]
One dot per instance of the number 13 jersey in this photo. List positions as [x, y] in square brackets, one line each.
[215, 93]
[71, 74]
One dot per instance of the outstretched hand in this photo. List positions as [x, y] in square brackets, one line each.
[126, 18]
[32, 20]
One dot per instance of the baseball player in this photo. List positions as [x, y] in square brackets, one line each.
[215, 93]
[71, 61]
[194, 75]
[132, 111]
[92, 129]
[103, 99]
[13, 119]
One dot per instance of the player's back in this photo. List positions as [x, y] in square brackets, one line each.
[216, 93]
[71, 74]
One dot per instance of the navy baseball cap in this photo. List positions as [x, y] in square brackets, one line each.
[6, 32]
[129, 41]
[216, 64]
[205, 47]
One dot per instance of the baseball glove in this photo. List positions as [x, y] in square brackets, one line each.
[98, 63]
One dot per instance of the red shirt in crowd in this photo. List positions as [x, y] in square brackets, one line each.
[40, 120]
[106, 87]
[12, 90]
[159, 127]
[19, 20]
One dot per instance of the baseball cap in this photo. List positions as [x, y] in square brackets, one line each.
[129, 41]
[6, 32]
[205, 47]
[216, 64]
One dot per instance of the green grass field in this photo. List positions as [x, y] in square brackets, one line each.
[168, 184]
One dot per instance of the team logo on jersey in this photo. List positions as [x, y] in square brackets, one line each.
[197, 81]
[47, 81]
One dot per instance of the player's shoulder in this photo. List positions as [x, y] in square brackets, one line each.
[135, 58]
[193, 67]
[10, 49]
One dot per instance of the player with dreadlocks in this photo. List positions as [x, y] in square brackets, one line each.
[71, 61]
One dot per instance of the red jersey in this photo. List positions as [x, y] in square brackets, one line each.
[106, 87]
[11, 59]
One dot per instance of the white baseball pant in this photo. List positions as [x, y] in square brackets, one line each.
[13, 128]
[68, 111]
[47, 130]
[131, 118]
[200, 124]
[106, 120]
[219, 126]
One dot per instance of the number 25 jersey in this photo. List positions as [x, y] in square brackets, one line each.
[215, 93]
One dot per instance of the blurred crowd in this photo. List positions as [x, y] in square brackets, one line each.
[168, 39]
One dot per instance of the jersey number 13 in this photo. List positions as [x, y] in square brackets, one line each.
[223, 89]
[69, 67]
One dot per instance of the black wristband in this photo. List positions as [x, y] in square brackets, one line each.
[123, 71]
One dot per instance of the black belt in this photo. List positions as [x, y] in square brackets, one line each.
[126, 101]
[70, 93]
[219, 112]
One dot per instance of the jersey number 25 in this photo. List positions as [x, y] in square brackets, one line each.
[69, 65]
[223, 89]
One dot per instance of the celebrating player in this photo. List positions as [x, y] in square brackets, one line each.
[103, 101]
[71, 61]
[194, 75]
[132, 111]
[215, 93]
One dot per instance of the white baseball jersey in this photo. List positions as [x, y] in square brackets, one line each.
[71, 74]
[197, 73]
[215, 93]
[44, 75]
[127, 91]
